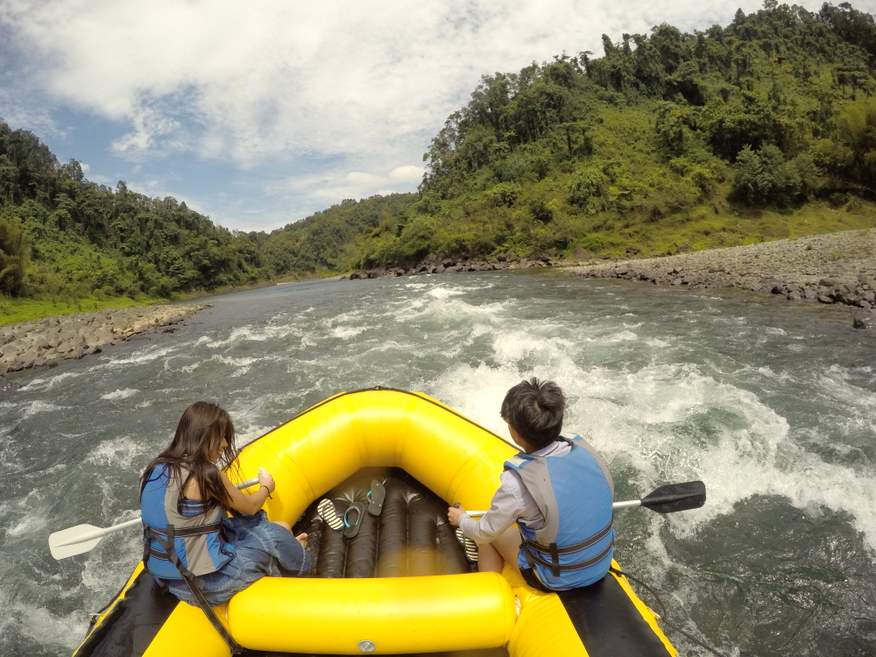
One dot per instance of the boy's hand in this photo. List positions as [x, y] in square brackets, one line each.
[455, 514]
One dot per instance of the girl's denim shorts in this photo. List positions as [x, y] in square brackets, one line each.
[261, 549]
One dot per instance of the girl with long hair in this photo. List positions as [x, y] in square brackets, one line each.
[185, 499]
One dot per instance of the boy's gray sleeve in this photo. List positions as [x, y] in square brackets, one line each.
[504, 510]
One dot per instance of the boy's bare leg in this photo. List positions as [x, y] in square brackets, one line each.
[489, 559]
[492, 557]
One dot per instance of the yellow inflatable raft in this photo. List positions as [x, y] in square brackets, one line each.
[485, 613]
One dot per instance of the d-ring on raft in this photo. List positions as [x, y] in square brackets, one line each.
[455, 459]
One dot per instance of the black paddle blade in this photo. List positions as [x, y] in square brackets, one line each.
[676, 497]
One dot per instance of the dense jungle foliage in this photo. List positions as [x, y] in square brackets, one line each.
[670, 141]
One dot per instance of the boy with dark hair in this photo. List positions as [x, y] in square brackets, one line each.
[559, 492]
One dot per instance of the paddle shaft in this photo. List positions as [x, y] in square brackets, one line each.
[668, 498]
[103, 531]
[616, 505]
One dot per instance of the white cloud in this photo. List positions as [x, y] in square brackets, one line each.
[408, 173]
[149, 126]
[336, 185]
[360, 84]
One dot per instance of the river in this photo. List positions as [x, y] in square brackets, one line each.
[772, 404]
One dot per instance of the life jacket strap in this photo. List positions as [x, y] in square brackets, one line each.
[158, 554]
[184, 532]
[167, 539]
[577, 547]
[554, 564]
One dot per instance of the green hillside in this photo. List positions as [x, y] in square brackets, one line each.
[762, 129]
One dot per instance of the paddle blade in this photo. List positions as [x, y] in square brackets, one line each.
[73, 541]
[676, 497]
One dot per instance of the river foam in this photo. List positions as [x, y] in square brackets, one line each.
[120, 393]
[672, 421]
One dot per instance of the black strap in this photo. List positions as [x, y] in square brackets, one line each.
[146, 544]
[158, 554]
[556, 567]
[595, 538]
[555, 560]
[530, 576]
[167, 539]
[184, 532]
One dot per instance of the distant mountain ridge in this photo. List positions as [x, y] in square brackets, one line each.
[669, 141]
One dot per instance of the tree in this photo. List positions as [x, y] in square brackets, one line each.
[763, 177]
[856, 129]
[14, 251]
[670, 129]
[587, 190]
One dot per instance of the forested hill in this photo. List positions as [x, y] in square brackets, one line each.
[64, 237]
[668, 141]
[764, 128]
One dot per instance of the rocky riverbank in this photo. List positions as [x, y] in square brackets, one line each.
[830, 268]
[47, 341]
[450, 265]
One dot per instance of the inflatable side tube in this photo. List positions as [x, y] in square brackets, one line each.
[132, 623]
[384, 615]
[608, 624]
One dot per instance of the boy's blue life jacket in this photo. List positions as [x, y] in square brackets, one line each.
[574, 494]
[179, 530]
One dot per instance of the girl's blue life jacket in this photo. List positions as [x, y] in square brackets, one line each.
[574, 493]
[187, 527]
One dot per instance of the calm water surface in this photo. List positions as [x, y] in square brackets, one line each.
[772, 404]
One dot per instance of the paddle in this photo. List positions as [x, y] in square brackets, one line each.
[665, 499]
[84, 538]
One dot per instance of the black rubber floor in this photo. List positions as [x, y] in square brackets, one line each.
[411, 535]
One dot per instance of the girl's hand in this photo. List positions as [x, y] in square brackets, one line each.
[302, 538]
[266, 480]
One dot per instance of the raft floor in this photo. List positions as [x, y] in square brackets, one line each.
[411, 536]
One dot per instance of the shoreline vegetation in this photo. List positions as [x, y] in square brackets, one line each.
[833, 268]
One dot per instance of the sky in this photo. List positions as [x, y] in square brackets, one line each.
[258, 114]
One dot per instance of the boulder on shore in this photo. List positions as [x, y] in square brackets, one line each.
[829, 268]
[862, 319]
[47, 341]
